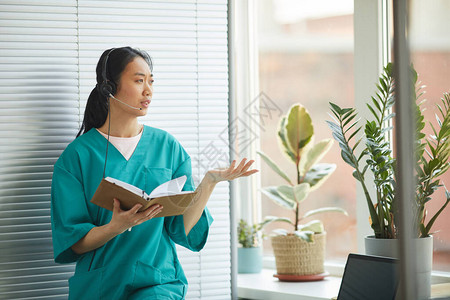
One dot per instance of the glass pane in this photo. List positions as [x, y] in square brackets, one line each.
[306, 57]
[430, 54]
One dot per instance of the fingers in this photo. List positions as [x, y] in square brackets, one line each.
[153, 210]
[132, 217]
[148, 214]
[242, 169]
[247, 166]
[135, 208]
[117, 209]
[249, 173]
[233, 171]
[241, 165]
[233, 163]
[116, 205]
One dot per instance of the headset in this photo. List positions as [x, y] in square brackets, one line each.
[108, 88]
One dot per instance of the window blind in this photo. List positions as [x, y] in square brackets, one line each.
[49, 50]
[38, 117]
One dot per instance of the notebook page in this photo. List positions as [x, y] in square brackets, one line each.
[171, 187]
[128, 186]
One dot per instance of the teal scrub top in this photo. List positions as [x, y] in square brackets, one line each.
[137, 264]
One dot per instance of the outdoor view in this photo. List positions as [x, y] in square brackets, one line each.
[306, 57]
[430, 47]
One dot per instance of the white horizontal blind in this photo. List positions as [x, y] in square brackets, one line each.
[38, 117]
[188, 43]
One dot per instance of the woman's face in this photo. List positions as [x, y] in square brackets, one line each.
[135, 87]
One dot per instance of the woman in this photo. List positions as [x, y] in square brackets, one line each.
[113, 261]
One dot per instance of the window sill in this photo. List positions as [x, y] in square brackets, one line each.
[336, 269]
[263, 286]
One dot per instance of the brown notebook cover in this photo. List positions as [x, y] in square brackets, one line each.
[172, 205]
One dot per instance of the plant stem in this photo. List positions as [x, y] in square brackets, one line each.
[298, 182]
[376, 226]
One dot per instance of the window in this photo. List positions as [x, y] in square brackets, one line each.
[430, 55]
[306, 56]
[309, 55]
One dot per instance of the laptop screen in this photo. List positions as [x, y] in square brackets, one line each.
[369, 278]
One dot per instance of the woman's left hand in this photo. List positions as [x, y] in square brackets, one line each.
[232, 172]
[206, 187]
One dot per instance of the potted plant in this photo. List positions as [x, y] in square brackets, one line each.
[375, 154]
[250, 252]
[301, 251]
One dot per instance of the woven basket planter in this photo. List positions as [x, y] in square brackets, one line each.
[294, 256]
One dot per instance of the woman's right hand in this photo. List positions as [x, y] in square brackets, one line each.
[124, 219]
[121, 220]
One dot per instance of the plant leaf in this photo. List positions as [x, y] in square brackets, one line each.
[299, 129]
[280, 232]
[324, 210]
[272, 193]
[317, 175]
[347, 157]
[375, 114]
[283, 141]
[315, 226]
[433, 219]
[307, 236]
[274, 167]
[336, 108]
[286, 192]
[314, 154]
[271, 219]
[301, 191]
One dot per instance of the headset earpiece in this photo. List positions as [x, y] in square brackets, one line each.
[107, 87]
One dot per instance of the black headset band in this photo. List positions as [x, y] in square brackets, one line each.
[105, 64]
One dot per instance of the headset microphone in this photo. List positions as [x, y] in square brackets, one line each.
[137, 108]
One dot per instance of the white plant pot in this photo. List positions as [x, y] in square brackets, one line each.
[424, 258]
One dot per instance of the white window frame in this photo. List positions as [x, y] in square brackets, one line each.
[371, 53]
[243, 88]
[369, 60]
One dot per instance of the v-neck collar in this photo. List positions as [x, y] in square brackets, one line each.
[111, 145]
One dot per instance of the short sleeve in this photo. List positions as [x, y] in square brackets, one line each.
[70, 217]
[196, 239]
[174, 226]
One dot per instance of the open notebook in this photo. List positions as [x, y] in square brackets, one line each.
[169, 195]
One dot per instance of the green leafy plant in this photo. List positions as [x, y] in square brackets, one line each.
[296, 136]
[249, 236]
[432, 162]
[375, 154]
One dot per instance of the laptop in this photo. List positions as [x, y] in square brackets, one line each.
[369, 278]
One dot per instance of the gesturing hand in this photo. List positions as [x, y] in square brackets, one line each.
[232, 172]
[123, 219]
